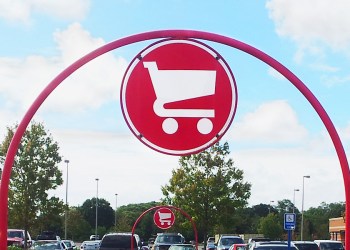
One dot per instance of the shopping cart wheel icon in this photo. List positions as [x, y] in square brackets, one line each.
[170, 126]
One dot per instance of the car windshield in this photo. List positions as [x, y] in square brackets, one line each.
[118, 241]
[305, 246]
[331, 246]
[46, 245]
[179, 247]
[169, 239]
[68, 243]
[231, 241]
[14, 234]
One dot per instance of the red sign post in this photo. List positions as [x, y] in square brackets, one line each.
[178, 96]
[164, 218]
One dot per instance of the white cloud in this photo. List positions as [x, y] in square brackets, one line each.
[22, 10]
[272, 122]
[275, 172]
[89, 87]
[312, 22]
[330, 81]
[122, 163]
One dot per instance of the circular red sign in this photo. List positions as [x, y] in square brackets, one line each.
[178, 96]
[164, 218]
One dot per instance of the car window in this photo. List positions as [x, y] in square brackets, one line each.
[117, 241]
[306, 246]
[169, 239]
[275, 247]
[14, 234]
[231, 241]
[331, 246]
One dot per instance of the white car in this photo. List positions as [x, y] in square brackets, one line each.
[90, 245]
[329, 244]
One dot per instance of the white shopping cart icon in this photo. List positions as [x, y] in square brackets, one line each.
[164, 218]
[178, 85]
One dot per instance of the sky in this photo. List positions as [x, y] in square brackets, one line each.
[276, 137]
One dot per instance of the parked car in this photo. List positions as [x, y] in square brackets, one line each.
[182, 247]
[151, 242]
[225, 241]
[271, 245]
[120, 241]
[70, 244]
[306, 245]
[210, 246]
[94, 237]
[165, 240]
[48, 245]
[90, 245]
[329, 244]
[48, 235]
[211, 239]
[15, 237]
[238, 246]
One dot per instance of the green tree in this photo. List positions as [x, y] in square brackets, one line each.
[127, 215]
[105, 213]
[270, 226]
[316, 220]
[34, 173]
[209, 188]
[78, 229]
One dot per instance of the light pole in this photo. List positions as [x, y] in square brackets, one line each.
[295, 190]
[96, 206]
[270, 205]
[302, 209]
[66, 213]
[115, 216]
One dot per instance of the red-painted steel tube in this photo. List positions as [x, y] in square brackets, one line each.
[158, 35]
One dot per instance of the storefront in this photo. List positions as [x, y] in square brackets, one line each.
[337, 229]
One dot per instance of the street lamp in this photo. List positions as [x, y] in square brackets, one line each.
[96, 206]
[66, 213]
[270, 205]
[115, 216]
[295, 190]
[302, 209]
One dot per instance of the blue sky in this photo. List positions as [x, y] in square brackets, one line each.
[276, 137]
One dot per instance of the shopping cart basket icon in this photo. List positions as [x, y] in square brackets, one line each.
[178, 85]
[164, 218]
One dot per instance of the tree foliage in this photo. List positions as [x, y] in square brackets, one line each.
[209, 188]
[78, 229]
[34, 173]
[127, 215]
[271, 227]
[316, 220]
[105, 213]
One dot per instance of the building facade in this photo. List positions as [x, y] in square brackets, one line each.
[337, 229]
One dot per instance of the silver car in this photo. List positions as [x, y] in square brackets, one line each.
[49, 245]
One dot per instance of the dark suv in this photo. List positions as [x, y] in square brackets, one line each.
[165, 240]
[120, 241]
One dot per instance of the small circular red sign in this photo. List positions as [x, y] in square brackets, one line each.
[178, 96]
[164, 218]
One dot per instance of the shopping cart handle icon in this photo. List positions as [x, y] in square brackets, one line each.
[178, 85]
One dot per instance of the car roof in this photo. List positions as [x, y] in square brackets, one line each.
[303, 242]
[327, 241]
[230, 236]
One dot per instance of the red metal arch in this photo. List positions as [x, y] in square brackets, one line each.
[5, 180]
[171, 207]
